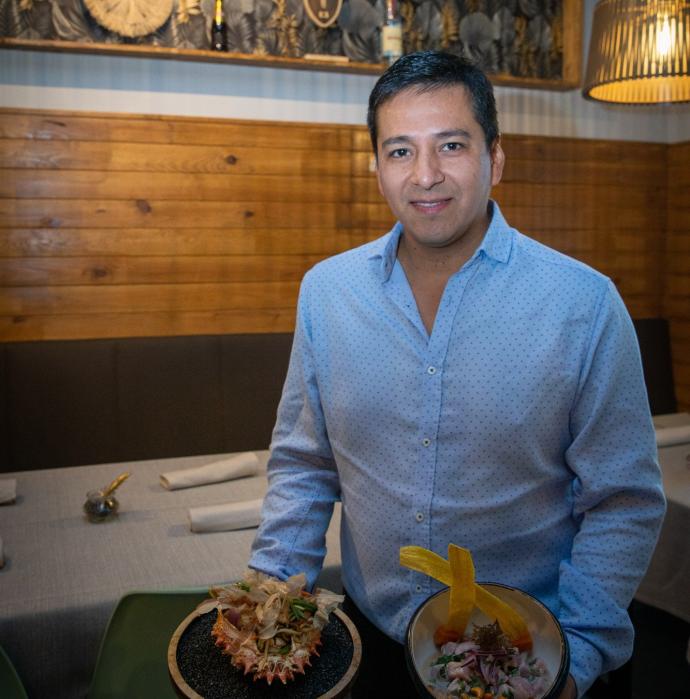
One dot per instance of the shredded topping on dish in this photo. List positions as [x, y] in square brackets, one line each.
[486, 665]
[269, 628]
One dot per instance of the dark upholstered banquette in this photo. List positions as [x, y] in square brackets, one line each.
[68, 403]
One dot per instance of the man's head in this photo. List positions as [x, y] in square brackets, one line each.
[438, 152]
[426, 71]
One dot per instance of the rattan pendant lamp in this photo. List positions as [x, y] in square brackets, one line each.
[639, 52]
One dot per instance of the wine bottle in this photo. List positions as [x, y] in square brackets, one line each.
[219, 40]
[391, 33]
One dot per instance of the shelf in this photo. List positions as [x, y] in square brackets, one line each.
[334, 64]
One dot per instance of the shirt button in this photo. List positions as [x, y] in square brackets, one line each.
[418, 588]
[426, 441]
[431, 370]
[419, 516]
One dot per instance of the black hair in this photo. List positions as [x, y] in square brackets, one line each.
[430, 70]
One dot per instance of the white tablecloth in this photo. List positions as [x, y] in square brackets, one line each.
[667, 582]
[64, 576]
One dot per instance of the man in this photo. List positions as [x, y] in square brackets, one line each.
[455, 381]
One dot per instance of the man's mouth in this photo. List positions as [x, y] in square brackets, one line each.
[433, 206]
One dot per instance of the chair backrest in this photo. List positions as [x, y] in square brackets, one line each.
[655, 348]
[11, 686]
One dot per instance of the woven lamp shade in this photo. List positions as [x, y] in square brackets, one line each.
[639, 52]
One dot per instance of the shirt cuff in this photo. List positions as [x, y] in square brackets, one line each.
[585, 663]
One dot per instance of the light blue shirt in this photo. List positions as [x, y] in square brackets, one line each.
[519, 429]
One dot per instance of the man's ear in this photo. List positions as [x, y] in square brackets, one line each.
[498, 160]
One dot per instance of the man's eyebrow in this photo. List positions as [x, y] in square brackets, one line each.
[452, 133]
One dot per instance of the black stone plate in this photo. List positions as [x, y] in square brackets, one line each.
[210, 674]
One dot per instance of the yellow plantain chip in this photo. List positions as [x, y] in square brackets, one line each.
[462, 588]
[458, 573]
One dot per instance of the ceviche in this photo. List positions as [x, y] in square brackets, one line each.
[486, 665]
[270, 628]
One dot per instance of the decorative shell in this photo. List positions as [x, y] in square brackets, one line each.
[130, 18]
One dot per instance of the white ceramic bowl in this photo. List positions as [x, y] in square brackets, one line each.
[549, 641]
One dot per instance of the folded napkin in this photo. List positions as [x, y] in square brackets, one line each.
[669, 436]
[226, 517]
[245, 464]
[8, 490]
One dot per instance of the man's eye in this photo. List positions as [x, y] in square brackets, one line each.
[453, 146]
[398, 153]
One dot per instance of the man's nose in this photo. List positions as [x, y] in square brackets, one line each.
[427, 169]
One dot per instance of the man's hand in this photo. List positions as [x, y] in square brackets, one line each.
[570, 689]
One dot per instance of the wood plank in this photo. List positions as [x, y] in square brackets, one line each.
[61, 271]
[65, 242]
[132, 157]
[678, 220]
[580, 171]
[543, 148]
[623, 241]
[142, 213]
[680, 333]
[678, 177]
[679, 198]
[678, 242]
[568, 150]
[678, 285]
[77, 326]
[681, 372]
[574, 172]
[578, 195]
[86, 184]
[35, 242]
[365, 188]
[679, 155]
[678, 264]
[49, 125]
[178, 298]
[676, 308]
[530, 219]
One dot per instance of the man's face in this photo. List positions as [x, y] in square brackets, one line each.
[434, 168]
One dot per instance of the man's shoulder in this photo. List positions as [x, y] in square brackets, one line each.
[542, 256]
[349, 261]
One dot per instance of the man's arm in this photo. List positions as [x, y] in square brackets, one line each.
[302, 477]
[617, 497]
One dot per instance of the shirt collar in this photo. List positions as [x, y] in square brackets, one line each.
[497, 243]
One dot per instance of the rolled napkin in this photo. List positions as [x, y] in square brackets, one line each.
[244, 464]
[8, 491]
[669, 436]
[225, 517]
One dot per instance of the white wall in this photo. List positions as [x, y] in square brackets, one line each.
[31, 79]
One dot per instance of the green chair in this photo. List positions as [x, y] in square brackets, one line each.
[11, 686]
[133, 658]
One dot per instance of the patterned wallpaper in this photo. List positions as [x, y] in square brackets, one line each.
[515, 37]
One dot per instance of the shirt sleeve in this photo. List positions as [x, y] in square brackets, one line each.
[302, 478]
[617, 496]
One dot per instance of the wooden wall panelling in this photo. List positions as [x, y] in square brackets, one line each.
[118, 225]
[677, 268]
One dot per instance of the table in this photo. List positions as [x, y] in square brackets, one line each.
[64, 576]
[666, 585]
